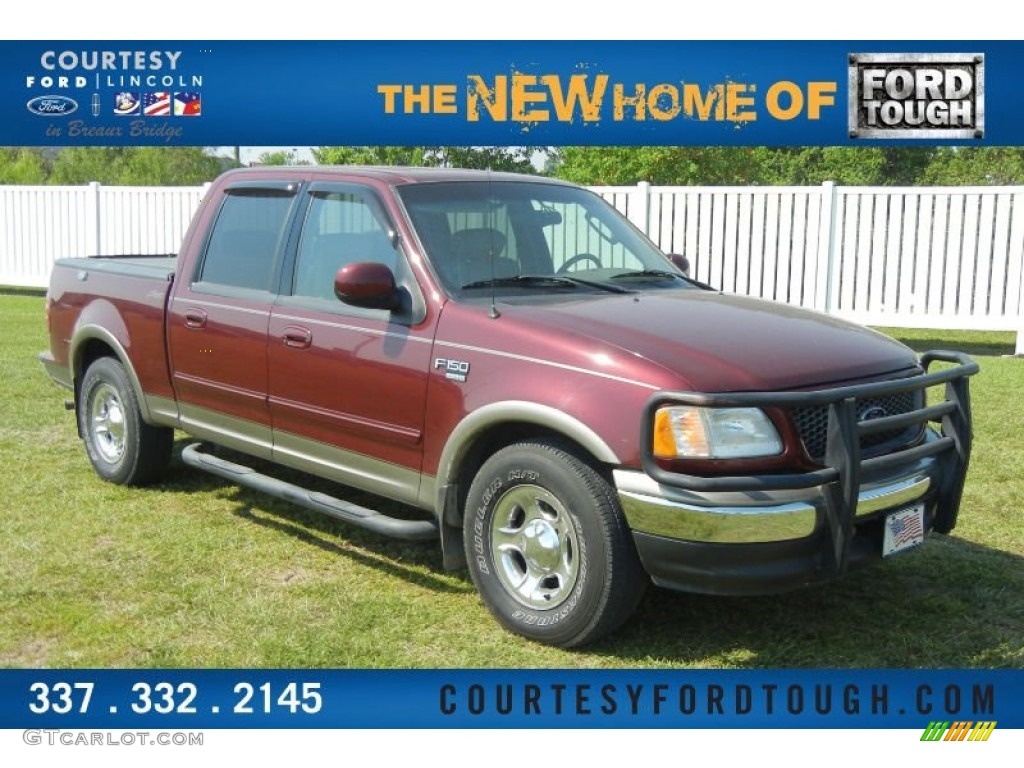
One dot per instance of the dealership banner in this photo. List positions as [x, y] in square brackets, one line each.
[510, 93]
[961, 704]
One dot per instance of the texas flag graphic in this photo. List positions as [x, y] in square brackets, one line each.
[156, 103]
[188, 104]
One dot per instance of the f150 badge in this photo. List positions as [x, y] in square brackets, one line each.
[456, 370]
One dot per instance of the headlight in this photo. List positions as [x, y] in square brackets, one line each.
[690, 432]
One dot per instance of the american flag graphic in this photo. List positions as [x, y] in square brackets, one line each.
[156, 103]
[188, 104]
[904, 529]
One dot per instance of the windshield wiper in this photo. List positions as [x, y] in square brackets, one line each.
[666, 273]
[535, 280]
[648, 273]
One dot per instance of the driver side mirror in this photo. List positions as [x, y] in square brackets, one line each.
[681, 262]
[367, 284]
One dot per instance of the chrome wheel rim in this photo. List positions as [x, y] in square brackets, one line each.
[535, 548]
[108, 429]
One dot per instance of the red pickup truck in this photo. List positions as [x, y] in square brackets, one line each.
[574, 415]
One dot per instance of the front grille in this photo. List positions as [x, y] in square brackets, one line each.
[812, 424]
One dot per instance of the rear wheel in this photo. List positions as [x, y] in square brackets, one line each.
[121, 446]
[548, 547]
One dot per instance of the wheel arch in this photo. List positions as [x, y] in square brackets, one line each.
[90, 343]
[495, 426]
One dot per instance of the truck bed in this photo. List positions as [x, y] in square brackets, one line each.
[114, 303]
[153, 267]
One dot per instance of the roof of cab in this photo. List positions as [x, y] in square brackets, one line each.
[394, 174]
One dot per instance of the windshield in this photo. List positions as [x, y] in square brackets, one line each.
[531, 237]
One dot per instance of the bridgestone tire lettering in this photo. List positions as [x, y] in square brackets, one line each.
[524, 499]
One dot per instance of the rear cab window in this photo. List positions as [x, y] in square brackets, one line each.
[247, 239]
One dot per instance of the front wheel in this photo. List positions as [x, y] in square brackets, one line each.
[121, 446]
[548, 548]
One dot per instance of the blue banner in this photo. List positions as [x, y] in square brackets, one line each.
[510, 92]
[251, 698]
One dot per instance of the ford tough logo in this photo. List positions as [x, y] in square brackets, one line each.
[52, 106]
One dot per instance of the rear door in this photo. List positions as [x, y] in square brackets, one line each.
[219, 316]
[348, 385]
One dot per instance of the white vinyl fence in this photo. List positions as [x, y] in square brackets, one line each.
[915, 257]
[910, 257]
[41, 224]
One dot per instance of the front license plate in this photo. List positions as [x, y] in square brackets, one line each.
[903, 529]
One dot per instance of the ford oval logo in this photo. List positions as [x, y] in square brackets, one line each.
[52, 106]
[872, 413]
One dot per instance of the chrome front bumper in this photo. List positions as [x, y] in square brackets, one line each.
[749, 517]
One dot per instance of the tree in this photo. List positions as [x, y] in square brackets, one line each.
[494, 158]
[371, 155]
[280, 157]
[658, 165]
[516, 159]
[80, 165]
[134, 166]
[851, 166]
[22, 165]
[743, 165]
[976, 165]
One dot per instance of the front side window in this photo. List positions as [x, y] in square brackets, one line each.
[247, 239]
[340, 228]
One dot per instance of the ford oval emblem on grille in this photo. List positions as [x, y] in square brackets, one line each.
[872, 413]
[52, 106]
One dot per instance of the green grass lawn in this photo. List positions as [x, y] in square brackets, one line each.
[196, 572]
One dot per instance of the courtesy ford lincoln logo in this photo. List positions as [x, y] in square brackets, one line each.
[52, 106]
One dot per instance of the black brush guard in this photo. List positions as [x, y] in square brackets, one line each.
[840, 478]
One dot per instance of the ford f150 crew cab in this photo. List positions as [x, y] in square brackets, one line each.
[575, 416]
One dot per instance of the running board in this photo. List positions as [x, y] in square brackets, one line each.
[410, 530]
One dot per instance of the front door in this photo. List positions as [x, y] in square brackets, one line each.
[347, 385]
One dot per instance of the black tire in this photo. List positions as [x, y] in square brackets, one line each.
[121, 446]
[548, 547]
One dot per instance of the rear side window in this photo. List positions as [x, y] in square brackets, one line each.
[247, 238]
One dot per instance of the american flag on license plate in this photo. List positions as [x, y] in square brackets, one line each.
[904, 529]
[156, 103]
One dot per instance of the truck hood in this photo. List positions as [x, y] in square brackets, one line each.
[725, 343]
